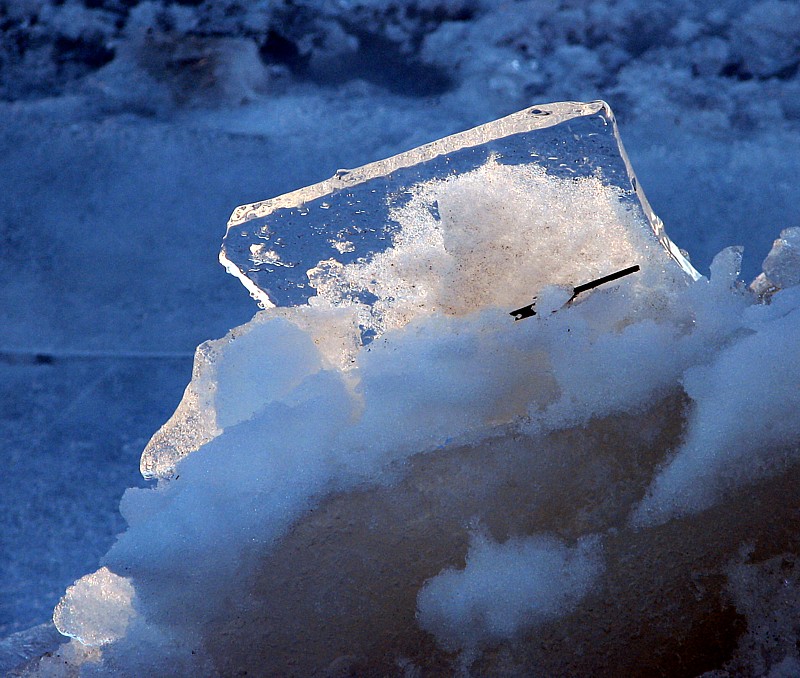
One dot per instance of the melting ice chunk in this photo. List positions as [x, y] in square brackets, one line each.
[256, 555]
[527, 207]
[483, 218]
[782, 265]
[96, 609]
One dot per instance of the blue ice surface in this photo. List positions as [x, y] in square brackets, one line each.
[71, 432]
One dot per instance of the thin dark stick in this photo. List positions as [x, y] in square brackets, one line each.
[604, 279]
[527, 311]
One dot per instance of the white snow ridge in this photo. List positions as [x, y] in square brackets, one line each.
[383, 473]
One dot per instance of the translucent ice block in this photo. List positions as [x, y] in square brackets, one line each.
[552, 200]
[782, 265]
[487, 218]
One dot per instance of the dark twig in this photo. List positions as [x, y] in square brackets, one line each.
[528, 311]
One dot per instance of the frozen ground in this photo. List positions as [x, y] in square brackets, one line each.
[129, 131]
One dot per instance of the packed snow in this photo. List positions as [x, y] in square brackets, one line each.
[505, 588]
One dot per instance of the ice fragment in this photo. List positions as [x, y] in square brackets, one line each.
[782, 265]
[96, 609]
[485, 217]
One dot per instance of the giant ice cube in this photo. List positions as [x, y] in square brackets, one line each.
[487, 217]
[484, 218]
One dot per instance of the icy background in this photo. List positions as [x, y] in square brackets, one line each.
[129, 131]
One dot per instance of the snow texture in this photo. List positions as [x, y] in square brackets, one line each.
[767, 593]
[505, 589]
[747, 392]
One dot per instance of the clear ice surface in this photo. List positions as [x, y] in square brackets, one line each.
[308, 243]
[96, 609]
